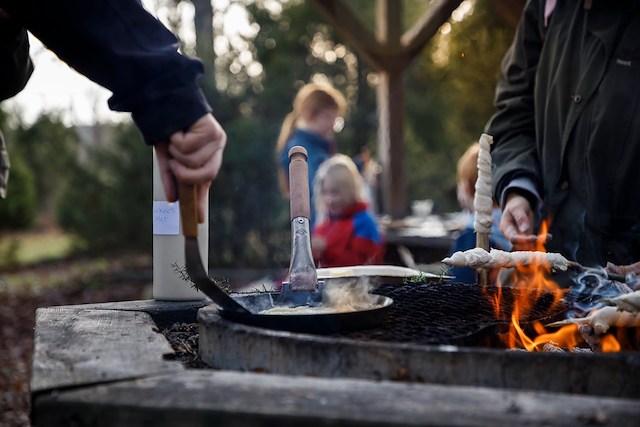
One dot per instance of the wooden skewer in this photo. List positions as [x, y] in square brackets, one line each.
[482, 241]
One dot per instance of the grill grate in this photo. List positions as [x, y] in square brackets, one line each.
[449, 313]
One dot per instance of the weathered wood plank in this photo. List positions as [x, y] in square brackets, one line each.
[76, 346]
[195, 398]
[163, 313]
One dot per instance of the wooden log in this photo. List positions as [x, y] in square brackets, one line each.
[223, 398]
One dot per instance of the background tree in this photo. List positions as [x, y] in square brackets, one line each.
[48, 148]
[106, 202]
[18, 210]
[450, 99]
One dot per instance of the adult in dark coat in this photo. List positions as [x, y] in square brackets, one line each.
[567, 129]
[15, 69]
[119, 45]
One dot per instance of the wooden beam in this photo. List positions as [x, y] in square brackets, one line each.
[351, 28]
[390, 92]
[389, 25]
[419, 35]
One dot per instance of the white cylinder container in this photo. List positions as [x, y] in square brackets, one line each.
[170, 282]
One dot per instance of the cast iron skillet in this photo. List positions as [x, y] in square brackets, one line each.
[324, 323]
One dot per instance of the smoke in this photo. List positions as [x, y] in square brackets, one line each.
[353, 294]
[592, 287]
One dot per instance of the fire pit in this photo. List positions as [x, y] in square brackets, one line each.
[107, 365]
[435, 333]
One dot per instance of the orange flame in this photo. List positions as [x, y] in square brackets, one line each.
[533, 282]
[610, 344]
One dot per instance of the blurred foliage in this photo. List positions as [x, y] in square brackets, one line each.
[103, 194]
[18, 210]
[40, 155]
[248, 218]
[106, 202]
[48, 148]
[450, 90]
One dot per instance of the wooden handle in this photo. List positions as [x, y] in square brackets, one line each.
[299, 183]
[188, 210]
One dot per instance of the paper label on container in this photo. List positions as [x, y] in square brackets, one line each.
[166, 218]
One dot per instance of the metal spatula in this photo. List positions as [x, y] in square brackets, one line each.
[193, 260]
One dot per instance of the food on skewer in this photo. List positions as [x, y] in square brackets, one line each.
[482, 201]
[479, 258]
[602, 319]
[627, 302]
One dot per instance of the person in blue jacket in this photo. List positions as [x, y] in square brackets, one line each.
[311, 124]
[120, 46]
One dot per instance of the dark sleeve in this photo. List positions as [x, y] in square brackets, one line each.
[120, 46]
[513, 125]
[15, 64]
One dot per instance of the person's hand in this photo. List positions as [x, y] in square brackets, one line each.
[192, 157]
[517, 217]
[624, 269]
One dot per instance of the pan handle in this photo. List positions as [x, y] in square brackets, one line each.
[299, 183]
[188, 210]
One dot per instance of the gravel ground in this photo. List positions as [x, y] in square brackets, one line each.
[119, 279]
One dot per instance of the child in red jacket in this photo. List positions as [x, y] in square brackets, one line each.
[346, 233]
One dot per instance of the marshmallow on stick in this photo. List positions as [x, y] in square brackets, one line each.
[480, 258]
[482, 201]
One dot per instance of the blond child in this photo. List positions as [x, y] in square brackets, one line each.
[346, 233]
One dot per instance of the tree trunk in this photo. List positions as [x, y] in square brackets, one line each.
[203, 20]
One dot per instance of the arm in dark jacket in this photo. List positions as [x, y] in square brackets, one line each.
[15, 64]
[119, 45]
